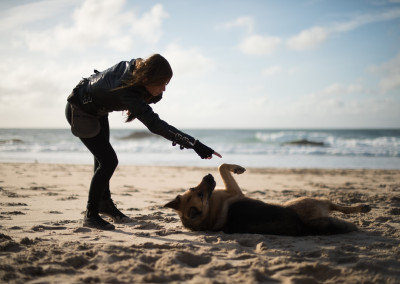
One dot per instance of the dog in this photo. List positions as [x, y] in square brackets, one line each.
[204, 208]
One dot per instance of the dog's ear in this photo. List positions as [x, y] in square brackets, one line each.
[174, 204]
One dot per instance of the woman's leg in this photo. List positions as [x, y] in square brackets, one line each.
[106, 162]
[106, 204]
[105, 130]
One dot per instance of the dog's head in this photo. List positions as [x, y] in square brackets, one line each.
[192, 205]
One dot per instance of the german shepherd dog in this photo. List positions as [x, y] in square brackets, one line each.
[204, 209]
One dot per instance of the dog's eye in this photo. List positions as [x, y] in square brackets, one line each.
[200, 195]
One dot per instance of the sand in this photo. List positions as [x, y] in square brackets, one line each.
[42, 239]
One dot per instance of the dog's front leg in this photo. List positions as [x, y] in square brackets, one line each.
[231, 185]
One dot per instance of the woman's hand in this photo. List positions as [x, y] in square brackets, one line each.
[216, 154]
[204, 151]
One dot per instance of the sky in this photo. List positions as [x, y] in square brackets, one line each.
[237, 64]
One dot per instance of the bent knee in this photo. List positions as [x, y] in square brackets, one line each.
[109, 164]
[114, 162]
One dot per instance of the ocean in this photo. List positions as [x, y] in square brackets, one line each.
[278, 148]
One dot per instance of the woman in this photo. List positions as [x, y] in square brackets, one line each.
[127, 86]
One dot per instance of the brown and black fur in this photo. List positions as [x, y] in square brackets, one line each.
[203, 208]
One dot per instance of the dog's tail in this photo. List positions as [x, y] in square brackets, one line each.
[330, 226]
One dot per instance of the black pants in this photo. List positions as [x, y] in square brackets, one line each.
[105, 162]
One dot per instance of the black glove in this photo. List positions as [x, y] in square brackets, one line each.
[184, 142]
[202, 150]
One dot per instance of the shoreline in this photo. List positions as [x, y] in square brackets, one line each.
[179, 159]
[42, 238]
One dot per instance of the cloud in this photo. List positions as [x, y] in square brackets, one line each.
[390, 74]
[259, 45]
[188, 61]
[37, 87]
[336, 105]
[253, 43]
[150, 25]
[22, 15]
[100, 23]
[273, 70]
[332, 100]
[307, 39]
[364, 19]
[245, 22]
[277, 69]
[340, 89]
[312, 37]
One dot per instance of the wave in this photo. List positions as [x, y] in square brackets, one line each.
[335, 143]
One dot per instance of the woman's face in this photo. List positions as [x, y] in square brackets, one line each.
[156, 90]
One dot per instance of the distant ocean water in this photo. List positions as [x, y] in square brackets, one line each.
[282, 148]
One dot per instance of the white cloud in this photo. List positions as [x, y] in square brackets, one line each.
[390, 74]
[27, 85]
[307, 39]
[312, 37]
[391, 82]
[22, 15]
[339, 89]
[334, 99]
[260, 45]
[188, 61]
[365, 19]
[273, 70]
[293, 70]
[253, 43]
[244, 22]
[100, 22]
[150, 25]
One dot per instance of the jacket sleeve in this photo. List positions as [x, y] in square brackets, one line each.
[143, 112]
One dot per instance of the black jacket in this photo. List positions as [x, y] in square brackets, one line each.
[103, 92]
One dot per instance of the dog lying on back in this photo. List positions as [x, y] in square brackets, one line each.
[202, 209]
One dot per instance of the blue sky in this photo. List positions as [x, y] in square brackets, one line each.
[237, 64]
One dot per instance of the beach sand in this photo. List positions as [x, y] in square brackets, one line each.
[42, 239]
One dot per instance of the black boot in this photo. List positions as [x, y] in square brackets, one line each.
[108, 208]
[93, 220]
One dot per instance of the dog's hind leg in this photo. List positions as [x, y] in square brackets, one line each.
[329, 225]
[350, 209]
[225, 171]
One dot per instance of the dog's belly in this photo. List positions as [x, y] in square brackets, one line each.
[256, 217]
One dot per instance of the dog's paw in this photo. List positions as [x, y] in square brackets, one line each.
[365, 208]
[239, 170]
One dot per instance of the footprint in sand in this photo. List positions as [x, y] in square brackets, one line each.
[394, 211]
[42, 228]
[54, 212]
[82, 230]
[183, 258]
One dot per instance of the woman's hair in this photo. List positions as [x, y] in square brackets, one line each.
[152, 71]
[155, 70]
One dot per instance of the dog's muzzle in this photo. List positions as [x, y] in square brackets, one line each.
[209, 179]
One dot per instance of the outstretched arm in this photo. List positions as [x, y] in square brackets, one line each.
[152, 121]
